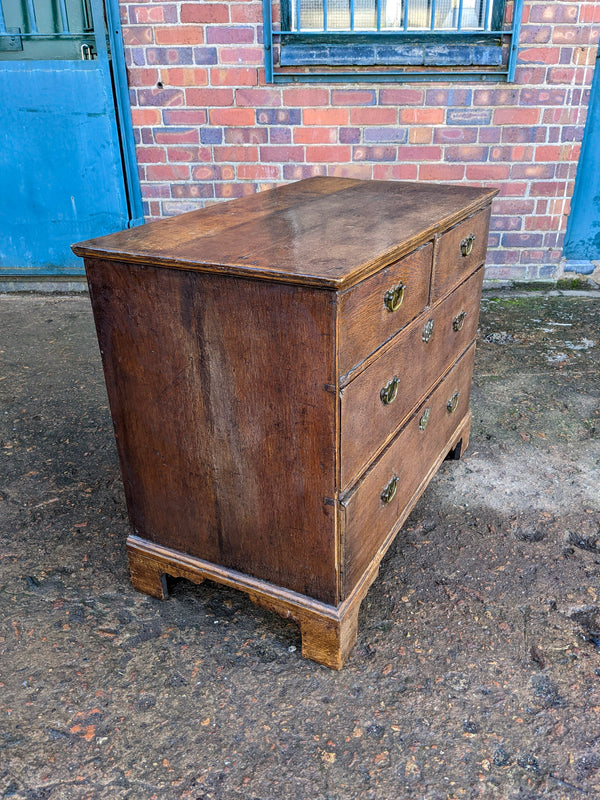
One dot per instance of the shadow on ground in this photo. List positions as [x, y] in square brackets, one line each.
[477, 668]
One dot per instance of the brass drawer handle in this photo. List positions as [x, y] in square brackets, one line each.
[389, 392]
[424, 419]
[452, 404]
[467, 245]
[393, 298]
[427, 331]
[459, 321]
[388, 493]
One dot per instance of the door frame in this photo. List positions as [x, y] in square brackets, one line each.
[581, 246]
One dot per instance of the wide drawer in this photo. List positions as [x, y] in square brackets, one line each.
[377, 503]
[459, 251]
[375, 309]
[375, 404]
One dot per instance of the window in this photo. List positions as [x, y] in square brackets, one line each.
[389, 39]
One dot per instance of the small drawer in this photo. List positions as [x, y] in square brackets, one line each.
[375, 404]
[459, 251]
[375, 309]
[374, 507]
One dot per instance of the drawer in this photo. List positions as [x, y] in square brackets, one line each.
[375, 309]
[375, 506]
[459, 251]
[375, 404]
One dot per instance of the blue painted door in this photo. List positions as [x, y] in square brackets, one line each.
[62, 173]
[582, 240]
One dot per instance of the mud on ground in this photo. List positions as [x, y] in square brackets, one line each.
[477, 668]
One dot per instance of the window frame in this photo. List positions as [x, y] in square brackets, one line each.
[354, 56]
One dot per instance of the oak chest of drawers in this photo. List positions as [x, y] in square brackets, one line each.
[285, 373]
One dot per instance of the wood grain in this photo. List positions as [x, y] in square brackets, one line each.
[450, 266]
[366, 423]
[312, 232]
[224, 423]
[408, 458]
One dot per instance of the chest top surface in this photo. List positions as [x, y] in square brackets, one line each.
[329, 232]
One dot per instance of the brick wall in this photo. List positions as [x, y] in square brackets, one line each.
[207, 127]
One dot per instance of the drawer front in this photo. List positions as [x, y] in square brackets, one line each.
[375, 404]
[459, 251]
[375, 309]
[379, 500]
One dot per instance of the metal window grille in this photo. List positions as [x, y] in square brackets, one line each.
[391, 15]
[390, 39]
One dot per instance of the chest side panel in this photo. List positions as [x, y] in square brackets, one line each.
[224, 414]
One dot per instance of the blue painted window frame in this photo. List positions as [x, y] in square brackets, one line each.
[389, 55]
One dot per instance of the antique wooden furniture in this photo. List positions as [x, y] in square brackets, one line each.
[286, 373]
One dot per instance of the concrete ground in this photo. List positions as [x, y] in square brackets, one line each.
[477, 668]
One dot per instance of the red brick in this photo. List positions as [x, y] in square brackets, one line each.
[421, 116]
[151, 155]
[401, 97]
[504, 223]
[547, 188]
[539, 223]
[192, 190]
[573, 34]
[373, 116]
[189, 154]
[455, 134]
[441, 172]
[511, 154]
[179, 34]
[213, 172]
[160, 97]
[464, 152]
[488, 172]
[319, 135]
[137, 35]
[176, 136]
[204, 12]
[241, 55]
[551, 153]
[353, 97]
[239, 153]
[535, 34]
[554, 12]
[152, 14]
[209, 97]
[540, 55]
[245, 12]
[532, 171]
[328, 154]
[282, 153]
[356, 171]
[420, 153]
[262, 96]
[495, 97]
[230, 190]
[246, 135]
[395, 172]
[184, 116]
[376, 153]
[513, 206]
[527, 74]
[516, 116]
[301, 96]
[230, 34]
[167, 172]
[141, 76]
[231, 116]
[325, 116]
[295, 172]
[145, 116]
[244, 76]
[184, 76]
[561, 75]
[257, 172]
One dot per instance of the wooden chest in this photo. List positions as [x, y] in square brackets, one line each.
[286, 372]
